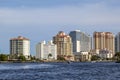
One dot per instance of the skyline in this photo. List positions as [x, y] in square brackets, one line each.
[34, 19]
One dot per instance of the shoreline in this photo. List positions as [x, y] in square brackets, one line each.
[53, 61]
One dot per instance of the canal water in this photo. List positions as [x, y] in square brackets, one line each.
[60, 71]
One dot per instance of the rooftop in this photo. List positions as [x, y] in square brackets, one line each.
[19, 38]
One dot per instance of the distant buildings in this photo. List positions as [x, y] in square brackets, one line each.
[20, 45]
[81, 41]
[64, 45]
[117, 42]
[46, 51]
[104, 40]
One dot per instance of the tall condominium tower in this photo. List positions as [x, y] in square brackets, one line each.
[45, 51]
[104, 40]
[64, 44]
[20, 45]
[117, 42]
[81, 41]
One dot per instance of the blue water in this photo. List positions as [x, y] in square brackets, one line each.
[60, 71]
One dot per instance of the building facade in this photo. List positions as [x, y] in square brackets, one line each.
[104, 40]
[81, 41]
[46, 51]
[20, 45]
[117, 42]
[64, 44]
[105, 54]
[82, 56]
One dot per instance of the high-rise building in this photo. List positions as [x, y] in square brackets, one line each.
[81, 41]
[64, 44]
[46, 51]
[20, 45]
[104, 40]
[117, 42]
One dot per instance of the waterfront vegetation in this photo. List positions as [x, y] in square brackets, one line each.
[95, 57]
[22, 58]
[3, 57]
[60, 58]
[12, 58]
[117, 57]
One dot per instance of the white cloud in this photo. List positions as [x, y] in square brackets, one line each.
[88, 14]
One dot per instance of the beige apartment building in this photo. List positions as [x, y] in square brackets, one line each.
[64, 44]
[104, 40]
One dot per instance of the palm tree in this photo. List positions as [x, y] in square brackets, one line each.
[49, 55]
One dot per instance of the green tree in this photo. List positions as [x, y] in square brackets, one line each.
[13, 56]
[22, 58]
[117, 56]
[3, 57]
[32, 57]
[61, 58]
[49, 55]
[95, 57]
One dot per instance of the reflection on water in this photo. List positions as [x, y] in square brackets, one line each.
[14, 66]
[60, 71]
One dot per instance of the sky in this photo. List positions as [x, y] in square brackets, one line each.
[40, 20]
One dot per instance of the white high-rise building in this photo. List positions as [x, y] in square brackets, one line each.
[20, 45]
[45, 51]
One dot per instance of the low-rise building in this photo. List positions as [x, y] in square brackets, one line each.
[104, 54]
[82, 56]
[94, 52]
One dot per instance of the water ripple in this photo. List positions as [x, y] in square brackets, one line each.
[60, 71]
